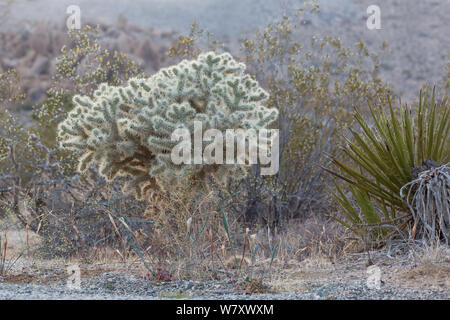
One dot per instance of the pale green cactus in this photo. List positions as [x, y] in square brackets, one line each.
[127, 130]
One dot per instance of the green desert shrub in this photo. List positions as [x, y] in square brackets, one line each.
[127, 130]
[38, 184]
[395, 155]
[314, 84]
[80, 69]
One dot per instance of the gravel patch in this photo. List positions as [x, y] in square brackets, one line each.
[117, 286]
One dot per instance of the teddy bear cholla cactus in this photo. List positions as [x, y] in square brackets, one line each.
[127, 130]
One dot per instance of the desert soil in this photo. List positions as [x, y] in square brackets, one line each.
[311, 279]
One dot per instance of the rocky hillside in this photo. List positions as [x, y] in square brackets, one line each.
[33, 50]
[415, 31]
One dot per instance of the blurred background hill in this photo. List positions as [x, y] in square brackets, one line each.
[33, 31]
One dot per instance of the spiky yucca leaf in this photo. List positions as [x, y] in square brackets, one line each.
[385, 153]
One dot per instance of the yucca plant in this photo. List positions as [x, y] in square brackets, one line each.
[428, 197]
[391, 150]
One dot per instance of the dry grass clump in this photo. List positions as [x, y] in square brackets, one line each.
[429, 200]
[186, 237]
[425, 267]
[430, 276]
[194, 236]
[192, 239]
[315, 237]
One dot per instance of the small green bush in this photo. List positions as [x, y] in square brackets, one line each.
[38, 183]
[391, 149]
[314, 85]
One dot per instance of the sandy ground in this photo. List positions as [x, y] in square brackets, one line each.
[402, 275]
[309, 280]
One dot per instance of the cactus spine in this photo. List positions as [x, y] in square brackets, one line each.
[127, 130]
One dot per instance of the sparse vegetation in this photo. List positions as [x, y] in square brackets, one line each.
[127, 130]
[177, 294]
[252, 286]
[88, 169]
[393, 155]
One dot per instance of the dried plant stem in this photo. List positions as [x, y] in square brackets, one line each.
[428, 198]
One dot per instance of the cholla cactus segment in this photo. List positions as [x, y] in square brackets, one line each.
[127, 130]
